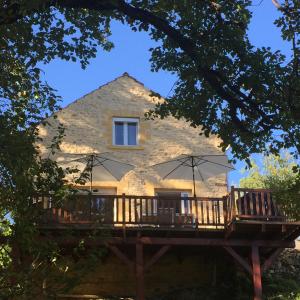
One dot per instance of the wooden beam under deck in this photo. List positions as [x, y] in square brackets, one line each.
[120, 255]
[242, 261]
[157, 256]
[193, 241]
[216, 242]
[269, 261]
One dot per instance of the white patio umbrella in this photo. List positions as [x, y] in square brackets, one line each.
[99, 166]
[193, 167]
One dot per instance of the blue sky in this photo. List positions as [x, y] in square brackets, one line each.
[131, 55]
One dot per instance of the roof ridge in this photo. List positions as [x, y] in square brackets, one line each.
[113, 80]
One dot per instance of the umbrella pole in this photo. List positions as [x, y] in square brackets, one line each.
[91, 181]
[194, 177]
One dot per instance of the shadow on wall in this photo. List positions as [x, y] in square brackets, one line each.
[88, 129]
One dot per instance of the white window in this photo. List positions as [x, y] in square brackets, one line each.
[185, 203]
[125, 131]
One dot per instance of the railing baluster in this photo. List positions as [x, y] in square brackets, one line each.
[251, 203]
[240, 211]
[225, 211]
[117, 209]
[269, 204]
[276, 210]
[185, 207]
[174, 211]
[233, 209]
[263, 207]
[130, 209]
[123, 209]
[168, 212]
[141, 210]
[197, 213]
[213, 212]
[202, 212]
[178, 208]
[158, 209]
[257, 204]
[245, 203]
[151, 207]
[207, 212]
[190, 203]
[218, 212]
[135, 211]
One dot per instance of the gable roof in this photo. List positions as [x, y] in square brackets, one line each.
[125, 75]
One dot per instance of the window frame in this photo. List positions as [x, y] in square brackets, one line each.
[185, 203]
[125, 121]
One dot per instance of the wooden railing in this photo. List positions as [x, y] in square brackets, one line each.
[253, 204]
[189, 212]
[138, 210]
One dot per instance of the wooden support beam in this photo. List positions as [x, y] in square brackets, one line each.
[256, 273]
[242, 261]
[294, 234]
[229, 230]
[269, 261]
[139, 268]
[120, 255]
[73, 241]
[157, 256]
[217, 242]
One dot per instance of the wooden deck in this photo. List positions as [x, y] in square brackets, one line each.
[247, 224]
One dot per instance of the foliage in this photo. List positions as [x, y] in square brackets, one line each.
[282, 287]
[278, 173]
[225, 85]
[26, 259]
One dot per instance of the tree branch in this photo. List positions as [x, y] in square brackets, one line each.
[233, 95]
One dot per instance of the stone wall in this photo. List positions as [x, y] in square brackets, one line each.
[88, 124]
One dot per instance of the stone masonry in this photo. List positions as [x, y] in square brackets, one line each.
[88, 128]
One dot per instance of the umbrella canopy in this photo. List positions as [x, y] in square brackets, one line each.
[99, 166]
[193, 167]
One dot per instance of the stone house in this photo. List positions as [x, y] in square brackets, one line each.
[93, 124]
[161, 238]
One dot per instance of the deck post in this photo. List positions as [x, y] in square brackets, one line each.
[225, 211]
[256, 275]
[233, 204]
[139, 268]
[123, 209]
[268, 262]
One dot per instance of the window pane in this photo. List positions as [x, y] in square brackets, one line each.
[119, 133]
[132, 133]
